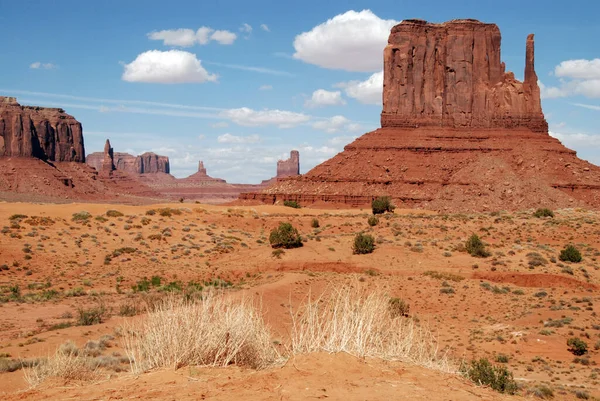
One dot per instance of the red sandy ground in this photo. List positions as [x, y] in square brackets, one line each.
[232, 243]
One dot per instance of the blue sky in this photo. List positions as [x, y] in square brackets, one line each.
[239, 84]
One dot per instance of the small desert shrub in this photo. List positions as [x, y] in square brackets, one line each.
[290, 203]
[542, 391]
[535, 259]
[17, 217]
[212, 331]
[475, 247]
[543, 213]
[502, 358]
[361, 323]
[483, 373]
[91, 316]
[285, 236]
[443, 276]
[66, 364]
[277, 253]
[372, 220]
[382, 204]
[114, 213]
[363, 244]
[398, 307]
[81, 217]
[570, 254]
[314, 223]
[577, 346]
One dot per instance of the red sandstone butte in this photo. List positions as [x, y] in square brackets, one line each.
[289, 167]
[459, 133]
[146, 163]
[44, 133]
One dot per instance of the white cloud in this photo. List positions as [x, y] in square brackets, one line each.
[585, 144]
[46, 66]
[202, 137]
[587, 106]
[579, 69]
[331, 125]
[265, 27]
[246, 28]
[353, 41]
[366, 92]
[577, 77]
[224, 37]
[260, 70]
[228, 138]
[184, 37]
[175, 37]
[321, 98]
[168, 67]
[221, 124]
[254, 118]
[265, 87]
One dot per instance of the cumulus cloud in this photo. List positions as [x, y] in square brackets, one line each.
[321, 98]
[254, 118]
[265, 27]
[577, 77]
[168, 67]
[353, 41]
[246, 28]
[586, 145]
[223, 37]
[39, 65]
[184, 37]
[579, 69]
[228, 138]
[366, 92]
[332, 125]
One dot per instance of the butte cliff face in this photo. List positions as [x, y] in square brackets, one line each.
[289, 167]
[459, 133]
[451, 75]
[39, 132]
[146, 163]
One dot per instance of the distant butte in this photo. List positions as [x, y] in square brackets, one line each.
[47, 134]
[459, 133]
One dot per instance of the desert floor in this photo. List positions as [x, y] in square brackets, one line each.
[517, 307]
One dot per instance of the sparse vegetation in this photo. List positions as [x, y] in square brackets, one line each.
[570, 254]
[483, 373]
[211, 331]
[290, 203]
[81, 217]
[114, 213]
[314, 223]
[363, 244]
[372, 221]
[285, 236]
[382, 205]
[475, 247]
[577, 346]
[543, 212]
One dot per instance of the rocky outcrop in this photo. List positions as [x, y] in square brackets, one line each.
[201, 176]
[146, 163]
[451, 75]
[289, 167]
[458, 134]
[108, 162]
[48, 134]
[151, 163]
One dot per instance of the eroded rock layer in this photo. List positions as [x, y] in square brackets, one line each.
[451, 75]
[458, 134]
[289, 167]
[43, 133]
[146, 163]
